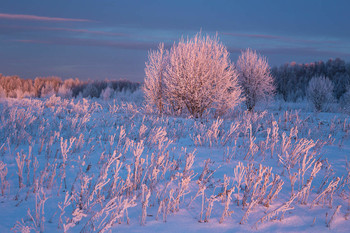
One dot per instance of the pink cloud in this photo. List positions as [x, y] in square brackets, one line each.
[40, 18]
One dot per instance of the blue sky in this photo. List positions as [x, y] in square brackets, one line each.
[111, 39]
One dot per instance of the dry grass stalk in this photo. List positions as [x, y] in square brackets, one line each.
[327, 194]
[333, 216]
[20, 160]
[146, 193]
[211, 201]
[3, 173]
[226, 211]
[252, 148]
[279, 210]
[239, 174]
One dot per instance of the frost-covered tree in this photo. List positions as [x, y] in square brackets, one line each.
[107, 93]
[345, 100]
[340, 81]
[64, 92]
[46, 86]
[254, 77]
[194, 76]
[320, 92]
[10, 84]
[200, 76]
[90, 91]
[153, 86]
[48, 90]
[2, 93]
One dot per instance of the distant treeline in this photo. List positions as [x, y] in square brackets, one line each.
[16, 87]
[292, 79]
[291, 82]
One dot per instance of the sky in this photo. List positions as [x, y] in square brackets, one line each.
[110, 39]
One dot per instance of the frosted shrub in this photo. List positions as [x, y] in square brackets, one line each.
[64, 92]
[254, 77]
[198, 77]
[154, 84]
[344, 100]
[45, 87]
[48, 90]
[319, 92]
[90, 91]
[137, 96]
[2, 93]
[107, 93]
[128, 96]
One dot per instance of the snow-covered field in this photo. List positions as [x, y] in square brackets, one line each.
[87, 165]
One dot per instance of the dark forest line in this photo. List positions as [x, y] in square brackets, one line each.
[292, 79]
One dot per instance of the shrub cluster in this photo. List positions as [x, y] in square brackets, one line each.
[197, 76]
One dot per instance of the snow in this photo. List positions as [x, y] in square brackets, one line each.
[107, 140]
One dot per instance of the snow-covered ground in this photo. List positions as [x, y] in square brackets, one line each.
[91, 165]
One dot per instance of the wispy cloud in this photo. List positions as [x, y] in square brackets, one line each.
[86, 31]
[132, 45]
[142, 45]
[105, 33]
[304, 51]
[279, 38]
[33, 41]
[264, 36]
[39, 18]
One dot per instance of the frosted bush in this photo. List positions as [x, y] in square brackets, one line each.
[254, 77]
[2, 93]
[64, 92]
[90, 91]
[136, 97]
[198, 76]
[45, 87]
[345, 100]
[320, 93]
[154, 84]
[107, 93]
[47, 91]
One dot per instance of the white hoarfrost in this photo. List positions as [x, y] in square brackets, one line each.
[89, 165]
[195, 76]
[254, 77]
[320, 92]
[153, 87]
